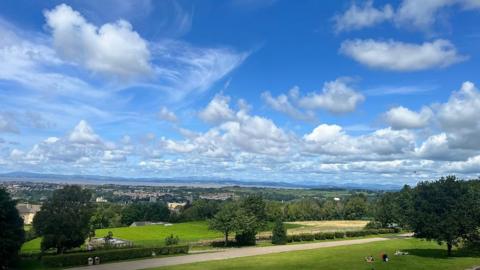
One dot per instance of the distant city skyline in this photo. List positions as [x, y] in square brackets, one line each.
[273, 90]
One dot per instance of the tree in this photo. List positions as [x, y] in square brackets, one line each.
[246, 227]
[356, 207]
[279, 233]
[106, 215]
[145, 212]
[11, 230]
[445, 211]
[63, 220]
[225, 220]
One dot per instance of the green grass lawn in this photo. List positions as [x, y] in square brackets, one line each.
[154, 234]
[423, 256]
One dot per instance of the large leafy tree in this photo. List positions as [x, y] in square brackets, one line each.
[225, 220]
[145, 212]
[445, 211]
[11, 230]
[63, 221]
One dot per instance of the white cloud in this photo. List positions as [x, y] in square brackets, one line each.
[218, 110]
[459, 117]
[325, 133]
[113, 49]
[424, 14]
[282, 104]
[358, 17]
[400, 56]
[166, 115]
[403, 118]
[336, 97]
[83, 134]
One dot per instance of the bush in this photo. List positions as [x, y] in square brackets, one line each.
[172, 240]
[81, 258]
[319, 236]
[339, 234]
[329, 235]
[246, 238]
[307, 237]
[289, 238]
[279, 234]
[296, 238]
[373, 225]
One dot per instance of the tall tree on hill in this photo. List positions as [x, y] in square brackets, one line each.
[225, 220]
[11, 230]
[445, 211]
[63, 221]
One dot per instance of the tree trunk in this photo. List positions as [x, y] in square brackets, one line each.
[449, 249]
[226, 239]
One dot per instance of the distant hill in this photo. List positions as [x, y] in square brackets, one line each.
[186, 181]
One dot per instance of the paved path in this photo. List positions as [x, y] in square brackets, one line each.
[226, 254]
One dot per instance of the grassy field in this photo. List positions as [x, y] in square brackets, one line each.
[423, 256]
[196, 231]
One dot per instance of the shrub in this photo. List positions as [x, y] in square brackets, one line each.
[339, 234]
[329, 235]
[172, 240]
[289, 238]
[296, 238]
[246, 238]
[279, 233]
[81, 258]
[307, 237]
[373, 225]
[319, 236]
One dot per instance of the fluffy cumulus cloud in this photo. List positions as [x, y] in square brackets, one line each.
[361, 16]
[218, 110]
[81, 149]
[113, 48]
[244, 145]
[399, 56]
[411, 14]
[283, 104]
[401, 118]
[336, 97]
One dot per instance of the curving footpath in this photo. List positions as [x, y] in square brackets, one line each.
[228, 254]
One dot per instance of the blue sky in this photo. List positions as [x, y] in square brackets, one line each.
[348, 91]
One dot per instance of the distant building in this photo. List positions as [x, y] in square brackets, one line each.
[175, 207]
[217, 196]
[28, 211]
[336, 199]
[100, 200]
[148, 223]
[153, 199]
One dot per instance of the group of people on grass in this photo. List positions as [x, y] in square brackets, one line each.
[384, 256]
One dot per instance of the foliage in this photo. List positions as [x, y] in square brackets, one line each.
[201, 210]
[63, 221]
[11, 230]
[224, 220]
[106, 215]
[172, 240]
[279, 233]
[446, 210]
[81, 258]
[145, 212]
[356, 207]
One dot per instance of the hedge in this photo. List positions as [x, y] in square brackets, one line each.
[339, 234]
[81, 258]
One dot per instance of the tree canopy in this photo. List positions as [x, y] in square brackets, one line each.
[63, 221]
[11, 230]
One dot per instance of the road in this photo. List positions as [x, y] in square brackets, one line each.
[226, 254]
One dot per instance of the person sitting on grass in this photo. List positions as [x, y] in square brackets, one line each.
[385, 257]
[369, 259]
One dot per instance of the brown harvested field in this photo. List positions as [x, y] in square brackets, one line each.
[327, 226]
[323, 226]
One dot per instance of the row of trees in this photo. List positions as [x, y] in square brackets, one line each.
[447, 211]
